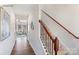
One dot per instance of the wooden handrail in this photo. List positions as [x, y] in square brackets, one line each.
[45, 28]
[55, 40]
[60, 25]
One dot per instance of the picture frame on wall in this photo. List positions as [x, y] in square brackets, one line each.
[5, 25]
[32, 25]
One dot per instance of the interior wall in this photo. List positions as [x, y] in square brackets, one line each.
[34, 33]
[6, 45]
[68, 16]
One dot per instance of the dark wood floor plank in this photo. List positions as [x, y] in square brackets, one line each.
[22, 47]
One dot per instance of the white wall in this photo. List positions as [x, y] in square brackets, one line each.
[34, 35]
[68, 16]
[6, 45]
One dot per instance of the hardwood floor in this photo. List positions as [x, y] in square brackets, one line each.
[22, 47]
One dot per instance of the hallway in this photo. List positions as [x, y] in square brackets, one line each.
[50, 29]
[22, 47]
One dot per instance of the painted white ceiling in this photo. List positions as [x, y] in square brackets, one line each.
[22, 10]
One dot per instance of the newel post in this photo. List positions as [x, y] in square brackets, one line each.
[56, 45]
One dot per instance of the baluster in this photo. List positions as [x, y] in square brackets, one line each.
[42, 33]
[49, 45]
[45, 35]
[52, 47]
[46, 42]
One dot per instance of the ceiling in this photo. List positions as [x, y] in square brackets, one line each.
[22, 11]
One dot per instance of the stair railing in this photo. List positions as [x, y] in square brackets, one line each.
[60, 24]
[51, 43]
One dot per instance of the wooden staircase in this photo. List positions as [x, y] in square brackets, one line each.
[51, 43]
